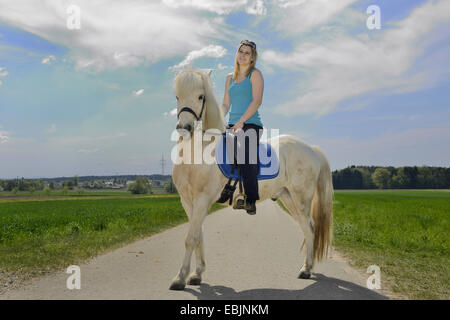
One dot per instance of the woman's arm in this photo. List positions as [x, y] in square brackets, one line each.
[257, 81]
[226, 97]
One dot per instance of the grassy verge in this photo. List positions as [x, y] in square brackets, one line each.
[37, 237]
[37, 194]
[404, 232]
[90, 197]
[7, 196]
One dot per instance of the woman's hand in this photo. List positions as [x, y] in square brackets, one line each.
[238, 126]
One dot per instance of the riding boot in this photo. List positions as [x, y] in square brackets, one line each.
[250, 206]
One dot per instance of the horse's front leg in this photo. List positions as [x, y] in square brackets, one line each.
[194, 240]
[196, 277]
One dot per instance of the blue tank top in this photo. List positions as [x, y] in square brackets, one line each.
[240, 98]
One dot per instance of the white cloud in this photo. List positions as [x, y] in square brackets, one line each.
[222, 67]
[3, 73]
[221, 7]
[347, 67]
[172, 113]
[209, 51]
[257, 8]
[114, 34]
[48, 60]
[87, 150]
[298, 16]
[52, 129]
[137, 93]
[4, 136]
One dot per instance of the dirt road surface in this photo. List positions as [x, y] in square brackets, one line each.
[247, 257]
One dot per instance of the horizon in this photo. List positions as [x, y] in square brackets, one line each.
[82, 176]
[160, 174]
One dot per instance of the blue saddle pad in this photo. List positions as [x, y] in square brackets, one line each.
[268, 161]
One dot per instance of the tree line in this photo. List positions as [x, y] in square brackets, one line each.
[354, 177]
[141, 185]
[374, 177]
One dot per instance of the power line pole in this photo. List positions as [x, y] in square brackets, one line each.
[162, 164]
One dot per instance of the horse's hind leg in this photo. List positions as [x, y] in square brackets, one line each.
[300, 209]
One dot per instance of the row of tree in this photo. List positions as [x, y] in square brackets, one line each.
[364, 177]
[24, 185]
[354, 177]
[143, 186]
[39, 184]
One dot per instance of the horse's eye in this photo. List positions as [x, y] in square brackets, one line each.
[200, 97]
[176, 97]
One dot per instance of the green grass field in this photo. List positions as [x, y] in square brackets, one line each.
[6, 194]
[404, 232]
[41, 236]
[58, 194]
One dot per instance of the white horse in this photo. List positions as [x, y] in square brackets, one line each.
[304, 183]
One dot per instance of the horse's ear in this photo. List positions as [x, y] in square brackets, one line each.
[209, 72]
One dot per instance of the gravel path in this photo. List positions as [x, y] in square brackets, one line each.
[247, 257]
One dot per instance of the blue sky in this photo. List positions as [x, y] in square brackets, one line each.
[97, 101]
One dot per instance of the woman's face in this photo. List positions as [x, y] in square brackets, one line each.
[244, 55]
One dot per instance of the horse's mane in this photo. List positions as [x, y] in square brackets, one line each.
[189, 80]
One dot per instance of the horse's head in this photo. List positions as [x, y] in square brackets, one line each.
[196, 101]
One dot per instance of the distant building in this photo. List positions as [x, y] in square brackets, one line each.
[156, 183]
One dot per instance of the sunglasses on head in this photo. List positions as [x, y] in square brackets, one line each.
[249, 43]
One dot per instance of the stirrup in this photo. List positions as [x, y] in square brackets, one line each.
[239, 203]
[227, 193]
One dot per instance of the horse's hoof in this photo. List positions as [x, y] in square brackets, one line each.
[194, 281]
[177, 286]
[304, 275]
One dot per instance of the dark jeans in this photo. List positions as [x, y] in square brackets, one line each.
[249, 171]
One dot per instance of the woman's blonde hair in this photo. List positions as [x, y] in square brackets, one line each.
[252, 64]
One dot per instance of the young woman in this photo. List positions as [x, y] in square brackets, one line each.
[243, 93]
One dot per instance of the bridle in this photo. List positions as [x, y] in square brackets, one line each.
[186, 109]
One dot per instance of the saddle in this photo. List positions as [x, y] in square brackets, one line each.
[268, 167]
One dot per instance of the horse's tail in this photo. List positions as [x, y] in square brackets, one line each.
[322, 209]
